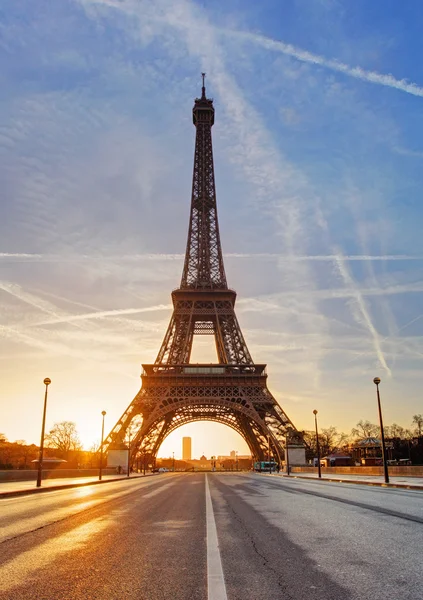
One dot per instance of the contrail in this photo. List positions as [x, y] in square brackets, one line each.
[327, 257]
[102, 314]
[21, 257]
[16, 291]
[24, 257]
[304, 56]
[355, 292]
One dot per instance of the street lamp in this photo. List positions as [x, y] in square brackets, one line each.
[47, 382]
[287, 455]
[268, 454]
[376, 381]
[129, 454]
[173, 461]
[318, 445]
[103, 412]
[236, 460]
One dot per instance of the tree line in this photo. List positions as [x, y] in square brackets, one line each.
[404, 440]
[62, 441]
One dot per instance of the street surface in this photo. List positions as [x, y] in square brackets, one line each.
[401, 480]
[12, 486]
[233, 536]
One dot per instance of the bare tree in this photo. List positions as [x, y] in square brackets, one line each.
[365, 429]
[418, 421]
[330, 440]
[394, 431]
[64, 437]
[408, 434]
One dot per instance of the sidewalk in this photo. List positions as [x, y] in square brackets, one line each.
[20, 488]
[411, 483]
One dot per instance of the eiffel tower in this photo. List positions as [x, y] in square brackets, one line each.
[233, 391]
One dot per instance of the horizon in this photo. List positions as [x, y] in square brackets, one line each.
[317, 150]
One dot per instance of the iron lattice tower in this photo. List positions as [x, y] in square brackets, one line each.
[233, 391]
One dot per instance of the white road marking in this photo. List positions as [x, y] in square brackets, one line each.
[215, 580]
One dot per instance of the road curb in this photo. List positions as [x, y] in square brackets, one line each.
[404, 486]
[54, 488]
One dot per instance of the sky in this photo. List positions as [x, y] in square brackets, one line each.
[319, 170]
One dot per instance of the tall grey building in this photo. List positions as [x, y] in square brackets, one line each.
[186, 448]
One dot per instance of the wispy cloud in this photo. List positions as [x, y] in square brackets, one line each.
[77, 258]
[101, 314]
[36, 302]
[269, 302]
[408, 152]
[334, 65]
[365, 315]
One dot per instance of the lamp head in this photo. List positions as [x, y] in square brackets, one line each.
[103, 412]
[314, 412]
[47, 381]
[376, 380]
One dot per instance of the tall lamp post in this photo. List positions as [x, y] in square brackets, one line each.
[47, 382]
[100, 475]
[376, 381]
[268, 454]
[319, 469]
[128, 466]
[173, 461]
[287, 455]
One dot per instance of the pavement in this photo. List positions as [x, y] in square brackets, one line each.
[378, 480]
[220, 536]
[17, 488]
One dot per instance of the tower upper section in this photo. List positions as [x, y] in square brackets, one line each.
[203, 110]
[203, 267]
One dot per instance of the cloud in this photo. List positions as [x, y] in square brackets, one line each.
[408, 152]
[17, 292]
[365, 315]
[334, 65]
[77, 258]
[101, 314]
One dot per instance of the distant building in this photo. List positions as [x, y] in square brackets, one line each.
[186, 448]
[234, 456]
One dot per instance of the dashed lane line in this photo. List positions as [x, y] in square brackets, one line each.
[215, 580]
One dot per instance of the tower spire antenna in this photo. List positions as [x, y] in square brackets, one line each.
[203, 89]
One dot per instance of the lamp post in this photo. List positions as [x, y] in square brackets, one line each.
[319, 470]
[100, 475]
[268, 454]
[143, 461]
[47, 382]
[173, 461]
[128, 466]
[287, 455]
[376, 381]
[236, 460]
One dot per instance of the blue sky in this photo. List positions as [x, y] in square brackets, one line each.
[319, 170]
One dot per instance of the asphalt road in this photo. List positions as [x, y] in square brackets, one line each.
[215, 537]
